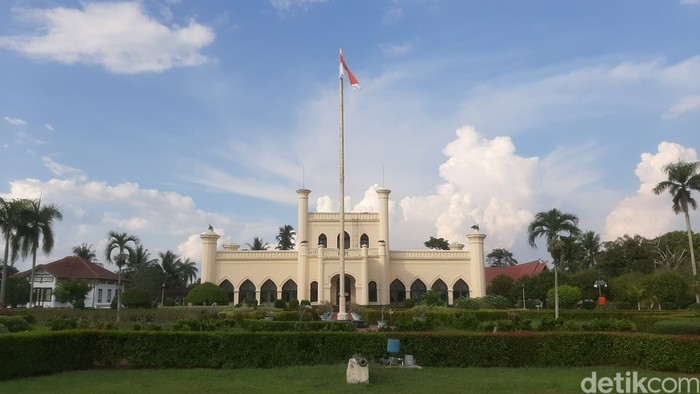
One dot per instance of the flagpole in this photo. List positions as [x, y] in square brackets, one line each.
[342, 314]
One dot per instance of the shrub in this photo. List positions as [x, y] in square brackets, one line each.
[280, 304]
[669, 306]
[607, 324]
[136, 297]
[684, 327]
[550, 324]
[206, 294]
[409, 303]
[486, 302]
[569, 296]
[251, 303]
[15, 323]
[588, 304]
[293, 304]
[466, 321]
[434, 298]
[3, 329]
[305, 302]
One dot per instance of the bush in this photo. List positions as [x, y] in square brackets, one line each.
[136, 298]
[409, 303]
[677, 327]
[466, 321]
[588, 304]
[15, 323]
[569, 296]
[294, 304]
[280, 304]
[550, 324]
[486, 302]
[305, 302]
[607, 324]
[3, 329]
[206, 294]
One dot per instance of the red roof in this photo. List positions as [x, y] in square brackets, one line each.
[73, 267]
[515, 271]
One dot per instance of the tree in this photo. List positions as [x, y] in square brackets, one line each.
[17, 292]
[683, 178]
[119, 247]
[500, 257]
[207, 293]
[501, 285]
[170, 264]
[285, 238]
[10, 221]
[188, 270]
[590, 243]
[37, 225]
[258, 244]
[552, 225]
[85, 251]
[73, 291]
[626, 254]
[437, 243]
[568, 295]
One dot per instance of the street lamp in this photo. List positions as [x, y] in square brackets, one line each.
[162, 295]
[600, 284]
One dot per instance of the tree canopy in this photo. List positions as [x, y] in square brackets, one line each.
[437, 243]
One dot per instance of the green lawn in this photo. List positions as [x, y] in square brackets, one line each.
[320, 379]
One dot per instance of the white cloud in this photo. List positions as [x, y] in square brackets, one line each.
[393, 14]
[690, 2]
[646, 213]
[286, 5]
[48, 127]
[686, 104]
[61, 170]
[118, 36]
[396, 49]
[15, 121]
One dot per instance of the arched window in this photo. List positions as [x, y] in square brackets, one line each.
[289, 291]
[246, 292]
[418, 290]
[440, 286]
[372, 291]
[460, 289]
[226, 285]
[323, 240]
[364, 240]
[268, 292]
[314, 291]
[397, 292]
[347, 241]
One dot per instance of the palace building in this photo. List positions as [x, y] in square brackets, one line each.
[374, 273]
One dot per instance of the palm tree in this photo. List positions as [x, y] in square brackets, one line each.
[119, 247]
[188, 270]
[170, 264]
[683, 178]
[590, 242]
[85, 251]
[10, 221]
[285, 238]
[258, 244]
[37, 225]
[141, 258]
[552, 225]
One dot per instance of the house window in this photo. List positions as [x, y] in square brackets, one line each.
[314, 291]
[47, 295]
[418, 290]
[99, 295]
[372, 291]
[323, 240]
[289, 291]
[364, 240]
[346, 243]
[460, 289]
[397, 292]
[268, 292]
[109, 295]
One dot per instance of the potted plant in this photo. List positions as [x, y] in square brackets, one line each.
[383, 323]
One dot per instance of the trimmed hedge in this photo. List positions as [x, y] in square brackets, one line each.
[43, 353]
[683, 327]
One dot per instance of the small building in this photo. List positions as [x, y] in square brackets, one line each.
[516, 272]
[374, 273]
[47, 277]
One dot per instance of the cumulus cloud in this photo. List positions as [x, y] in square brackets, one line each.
[61, 170]
[646, 213]
[15, 121]
[686, 104]
[121, 37]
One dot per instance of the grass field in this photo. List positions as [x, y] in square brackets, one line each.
[319, 379]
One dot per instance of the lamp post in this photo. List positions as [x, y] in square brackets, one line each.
[599, 284]
[162, 295]
[524, 296]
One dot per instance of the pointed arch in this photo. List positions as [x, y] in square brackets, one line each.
[289, 290]
[418, 290]
[397, 292]
[460, 289]
[440, 286]
[246, 291]
[323, 240]
[314, 291]
[347, 241]
[268, 292]
[364, 240]
[228, 287]
[372, 291]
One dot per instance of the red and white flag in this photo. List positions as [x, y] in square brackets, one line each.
[343, 68]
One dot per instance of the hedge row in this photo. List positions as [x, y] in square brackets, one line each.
[43, 353]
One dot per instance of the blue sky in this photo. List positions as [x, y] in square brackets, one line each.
[161, 117]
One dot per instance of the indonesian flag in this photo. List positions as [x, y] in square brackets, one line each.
[343, 68]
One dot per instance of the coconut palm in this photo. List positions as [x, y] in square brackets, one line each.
[36, 227]
[285, 238]
[590, 242]
[258, 244]
[170, 264]
[119, 247]
[683, 178]
[86, 252]
[10, 221]
[141, 258]
[188, 270]
[553, 225]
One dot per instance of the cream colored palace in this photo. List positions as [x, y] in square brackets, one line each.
[374, 274]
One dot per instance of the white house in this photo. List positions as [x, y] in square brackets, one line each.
[47, 277]
[374, 274]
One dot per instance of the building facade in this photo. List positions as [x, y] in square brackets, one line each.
[374, 274]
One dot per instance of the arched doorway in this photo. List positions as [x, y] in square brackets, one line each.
[440, 286]
[226, 285]
[460, 290]
[246, 292]
[397, 292]
[268, 292]
[349, 288]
